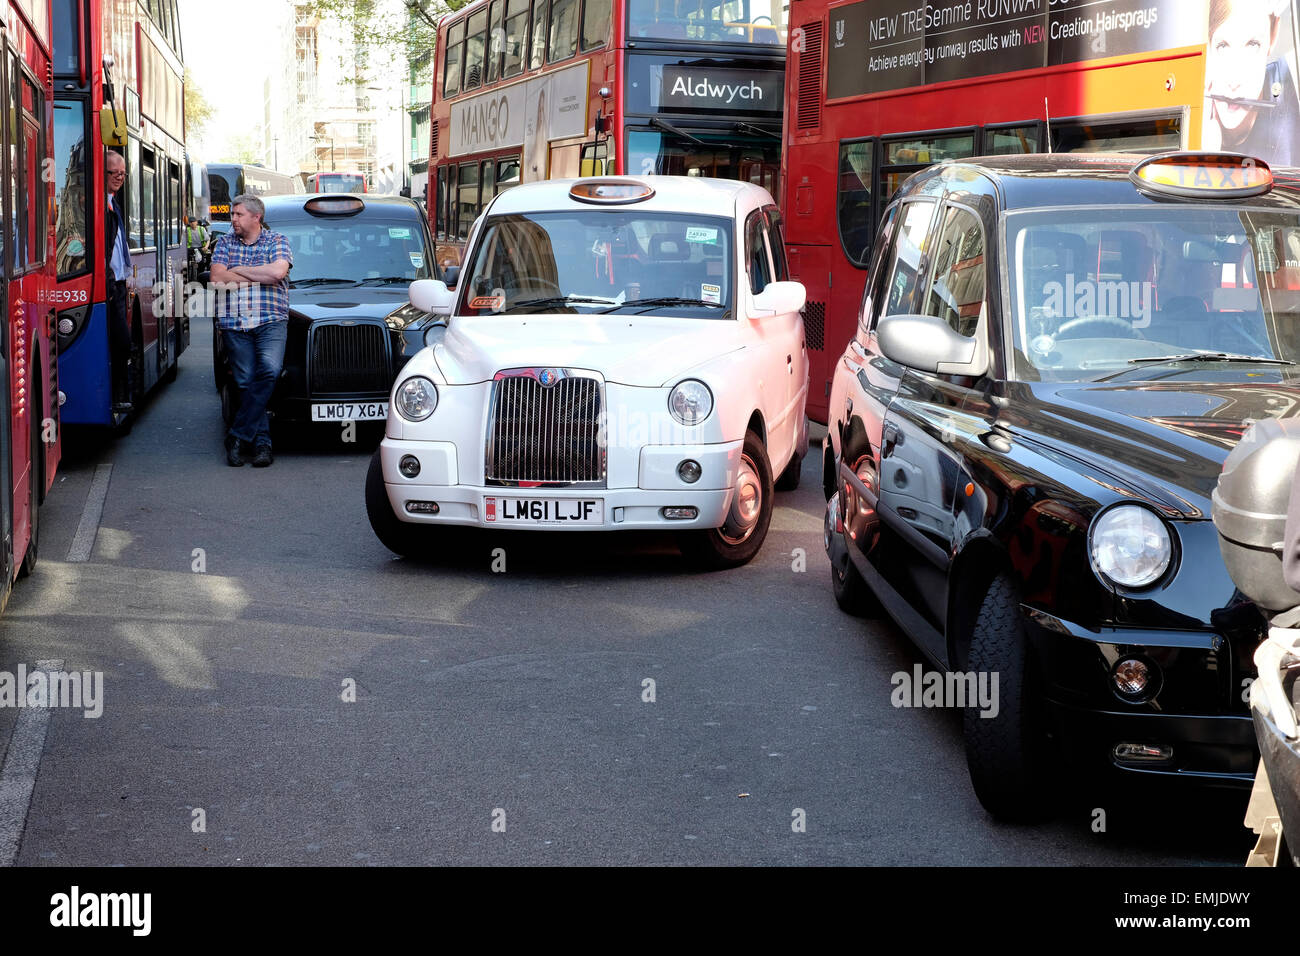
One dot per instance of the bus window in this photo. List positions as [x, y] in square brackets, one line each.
[594, 158]
[455, 52]
[564, 29]
[537, 50]
[71, 182]
[174, 211]
[132, 204]
[1146, 135]
[595, 24]
[148, 194]
[488, 177]
[908, 153]
[475, 49]
[739, 21]
[38, 216]
[16, 184]
[495, 42]
[467, 205]
[507, 173]
[854, 201]
[516, 36]
[1010, 140]
[67, 54]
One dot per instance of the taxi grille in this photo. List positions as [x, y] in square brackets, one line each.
[545, 434]
[348, 359]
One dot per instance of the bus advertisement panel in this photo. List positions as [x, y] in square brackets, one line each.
[878, 90]
[548, 89]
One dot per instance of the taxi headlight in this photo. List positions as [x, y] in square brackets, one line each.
[1130, 546]
[690, 402]
[416, 398]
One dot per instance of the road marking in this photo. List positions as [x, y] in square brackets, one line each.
[18, 775]
[83, 542]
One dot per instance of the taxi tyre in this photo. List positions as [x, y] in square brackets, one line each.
[1007, 755]
[710, 550]
[853, 595]
[397, 536]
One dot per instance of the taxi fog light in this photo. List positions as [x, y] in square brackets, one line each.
[1130, 546]
[422, 507]
[416, 398]
[689, 471]
[681, 514]
[1129, 752]
[1134, 679]
[409, 466]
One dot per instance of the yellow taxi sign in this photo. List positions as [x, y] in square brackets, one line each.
[611, 191]
[1204, 175]
[219, 208]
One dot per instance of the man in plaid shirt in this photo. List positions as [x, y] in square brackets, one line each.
[253, 314]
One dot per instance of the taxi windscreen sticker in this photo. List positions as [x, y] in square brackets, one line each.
[417, 259]
[399, 232]
[711, 293]
[492, 302]
[702, 234]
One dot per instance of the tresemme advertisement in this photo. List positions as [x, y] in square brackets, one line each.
[880, 45]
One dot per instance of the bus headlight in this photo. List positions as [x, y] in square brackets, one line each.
[1130, 546]
[416, 398]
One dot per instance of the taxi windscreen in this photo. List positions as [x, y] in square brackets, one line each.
[356, 250]
[623, 260]
[1093, 291]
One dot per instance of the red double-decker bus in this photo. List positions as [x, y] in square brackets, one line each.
[333, 182]
[526, 90]
[118, 76]
[877, 89]
[29, 408]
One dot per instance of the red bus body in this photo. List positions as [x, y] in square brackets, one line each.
[559, 88]
[872, 96]
[29, 434]
[146, 82]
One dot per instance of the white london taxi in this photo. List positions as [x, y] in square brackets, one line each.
[618, 353]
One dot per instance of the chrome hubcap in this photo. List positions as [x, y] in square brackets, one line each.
[746, 504]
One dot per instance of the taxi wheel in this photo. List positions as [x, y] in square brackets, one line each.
[1007, 753]
[852, 594]
[737, 541]
[397, 536]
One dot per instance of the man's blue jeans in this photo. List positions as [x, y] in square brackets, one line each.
[256, 356]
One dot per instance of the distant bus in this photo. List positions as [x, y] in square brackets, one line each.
[336, 183]
[227, 180]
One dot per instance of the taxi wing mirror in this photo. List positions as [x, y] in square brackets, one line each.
[779, 298]
[431, 295]
[929, 344]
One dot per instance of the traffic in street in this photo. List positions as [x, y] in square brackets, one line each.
[273, 673]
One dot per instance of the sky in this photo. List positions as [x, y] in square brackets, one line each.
[229, 60]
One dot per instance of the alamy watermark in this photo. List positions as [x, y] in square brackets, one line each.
[1083, 299]
[921, 688]
[78, 690]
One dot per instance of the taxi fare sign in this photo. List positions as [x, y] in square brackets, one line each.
[1204, 175]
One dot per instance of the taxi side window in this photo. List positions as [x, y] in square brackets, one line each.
[905, 260]
[873, 290]
[756, 264]
[957, 275]
[776, 244]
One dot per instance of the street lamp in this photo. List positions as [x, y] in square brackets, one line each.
[331, 139]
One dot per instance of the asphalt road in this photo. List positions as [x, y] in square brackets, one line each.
[499, 717]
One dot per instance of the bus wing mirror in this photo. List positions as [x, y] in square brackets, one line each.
[112, 126]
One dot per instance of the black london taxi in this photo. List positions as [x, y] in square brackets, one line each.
[351, 324]
[1055, 354]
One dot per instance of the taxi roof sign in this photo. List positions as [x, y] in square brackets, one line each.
[1203, 175]
[611, 191]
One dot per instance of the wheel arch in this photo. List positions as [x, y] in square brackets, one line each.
[981, 559]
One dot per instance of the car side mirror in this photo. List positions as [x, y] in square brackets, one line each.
[450, 275]
[431, 295]
[929, 344]
[779, 298]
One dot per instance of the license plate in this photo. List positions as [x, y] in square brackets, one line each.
[544, 511]
[349, 412]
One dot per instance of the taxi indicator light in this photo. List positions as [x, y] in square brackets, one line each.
[334, 207]
[1204, 175]
[611, 192]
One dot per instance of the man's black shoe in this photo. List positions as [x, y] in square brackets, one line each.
[234, 454]
[262, 457]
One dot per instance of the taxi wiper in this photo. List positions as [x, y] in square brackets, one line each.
[556, 300]
[303, 283]
[1210, 357]
[385, 280]
[644, 305]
